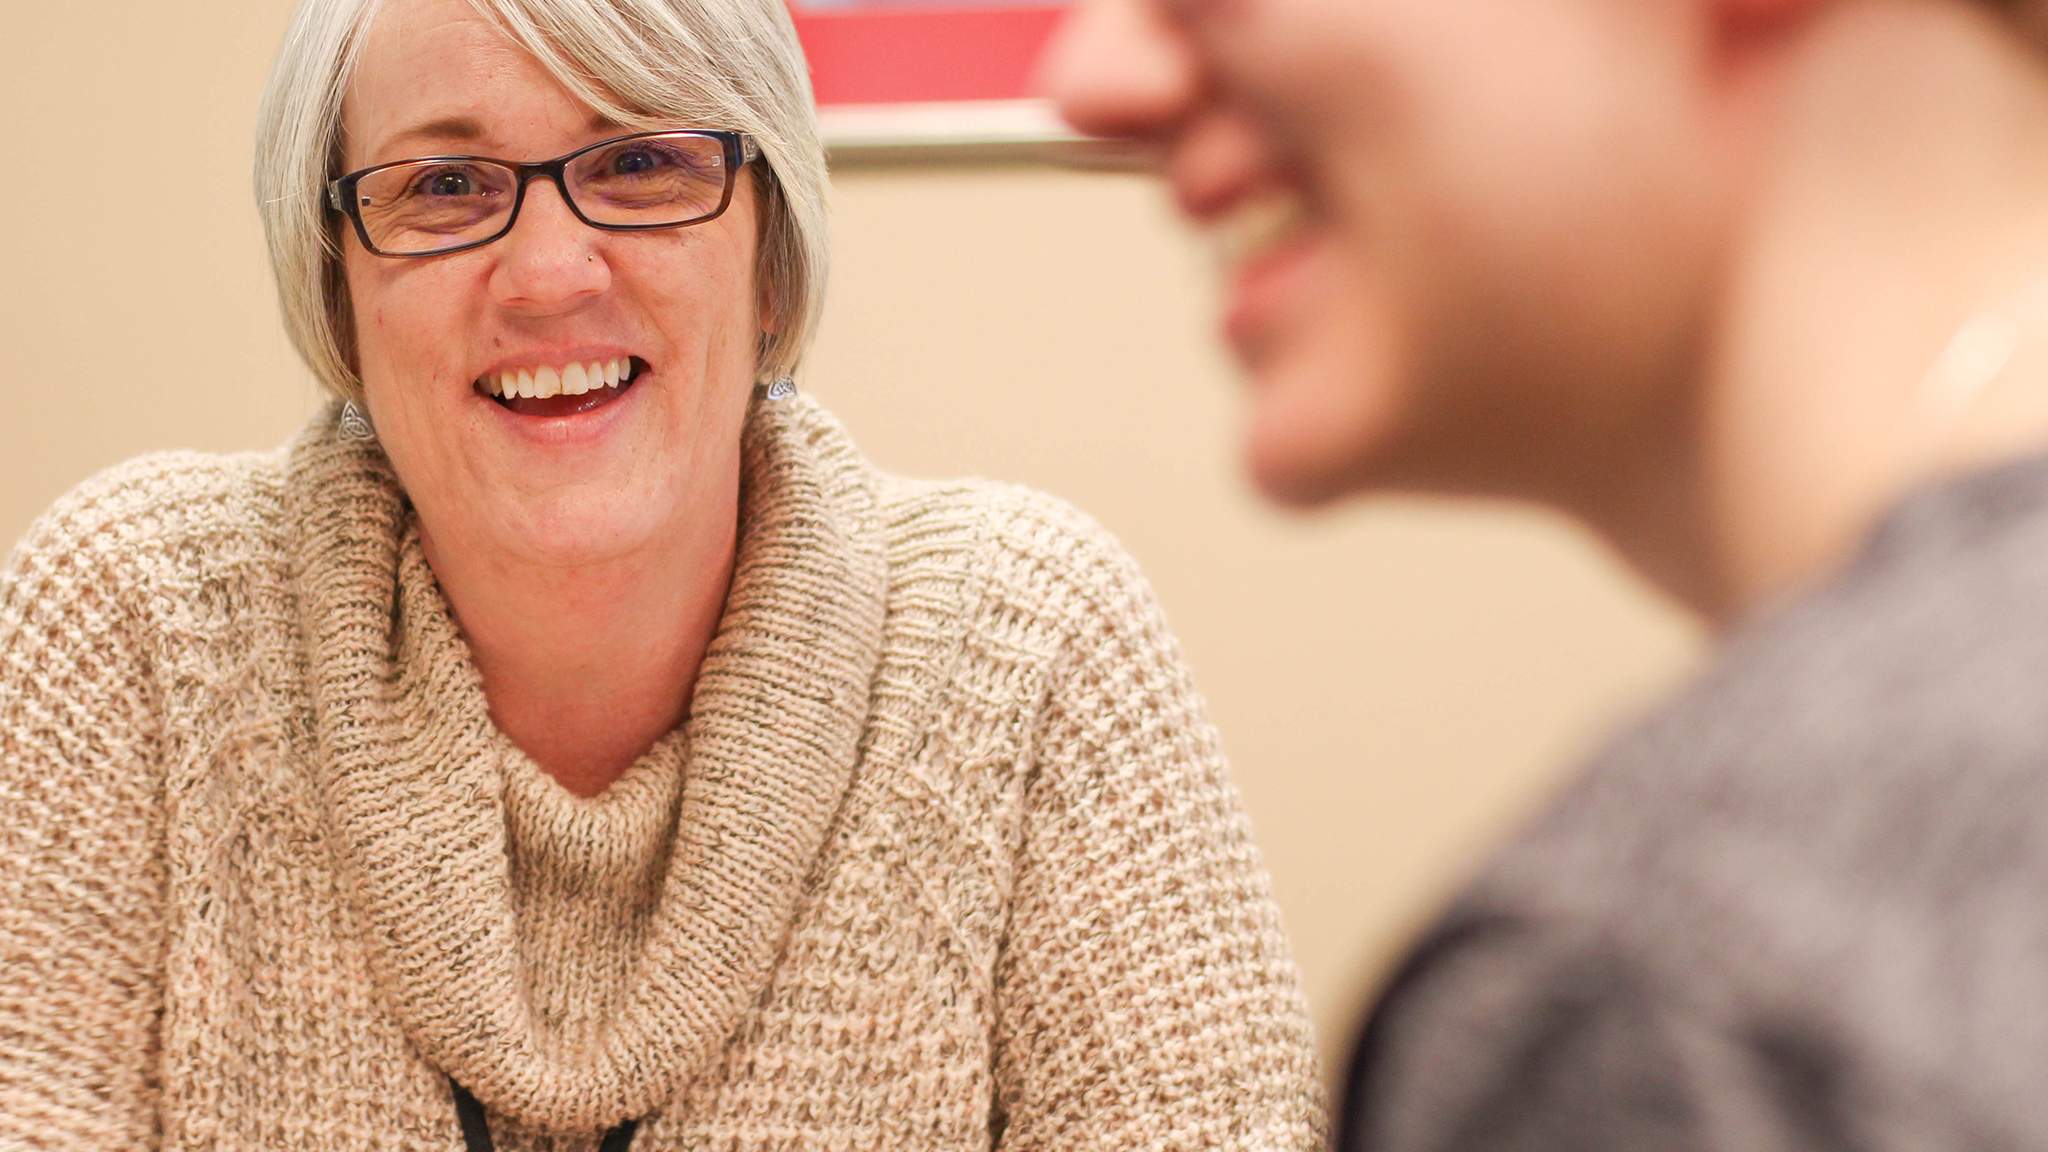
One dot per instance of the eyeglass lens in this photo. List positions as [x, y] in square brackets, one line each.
[645, 181]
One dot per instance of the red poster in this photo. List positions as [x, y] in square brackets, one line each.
[897, 52]
[911, 78]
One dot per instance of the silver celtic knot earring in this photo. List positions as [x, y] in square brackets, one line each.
[781, 388]
[353, 425]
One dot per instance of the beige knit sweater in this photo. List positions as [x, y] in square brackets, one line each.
[944, 858]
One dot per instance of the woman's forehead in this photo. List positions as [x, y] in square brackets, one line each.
[437, 73]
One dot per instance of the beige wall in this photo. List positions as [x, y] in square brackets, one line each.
[1394, 682]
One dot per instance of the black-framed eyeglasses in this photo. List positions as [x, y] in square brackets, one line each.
[435, 205]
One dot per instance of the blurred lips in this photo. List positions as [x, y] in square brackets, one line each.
[1264, 288]
[1229, 178]
[1264, 242]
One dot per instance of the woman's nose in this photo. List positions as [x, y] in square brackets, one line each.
[550, 260]
[1121, 68]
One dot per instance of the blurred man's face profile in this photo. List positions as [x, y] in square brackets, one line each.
[1461, 232]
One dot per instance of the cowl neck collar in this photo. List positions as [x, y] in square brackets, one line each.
[416, 780]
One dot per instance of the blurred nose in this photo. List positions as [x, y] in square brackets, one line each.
[551, 261]
[1121, 68]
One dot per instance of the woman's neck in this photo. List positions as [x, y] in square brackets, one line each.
[586, 667]
[1903, 188]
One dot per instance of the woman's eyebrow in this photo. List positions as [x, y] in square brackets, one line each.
[468, 129]
[462, 128]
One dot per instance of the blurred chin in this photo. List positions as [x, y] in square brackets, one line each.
[1318, 427]
[1294, 474]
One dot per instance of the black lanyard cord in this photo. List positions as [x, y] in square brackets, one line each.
[476, 1131]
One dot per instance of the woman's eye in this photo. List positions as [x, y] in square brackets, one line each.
[634, 161]
[449, 184]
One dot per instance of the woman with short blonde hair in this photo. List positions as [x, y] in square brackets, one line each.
[723, 64]
[570, 739]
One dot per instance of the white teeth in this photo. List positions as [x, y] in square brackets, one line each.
[1259, 224]
[569, 380]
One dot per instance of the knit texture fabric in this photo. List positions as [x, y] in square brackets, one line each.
[945, 856]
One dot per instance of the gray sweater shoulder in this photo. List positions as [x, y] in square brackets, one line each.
[1799, 906]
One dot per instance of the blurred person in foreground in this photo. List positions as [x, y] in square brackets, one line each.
[1759, 290]
[574, 736]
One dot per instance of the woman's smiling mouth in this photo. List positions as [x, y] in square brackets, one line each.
[548, 390]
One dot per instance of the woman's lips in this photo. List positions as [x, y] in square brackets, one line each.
[562, 393]
[570, 423]
[557, 406]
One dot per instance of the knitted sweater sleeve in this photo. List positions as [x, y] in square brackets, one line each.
[81, 842]
[1146, 995]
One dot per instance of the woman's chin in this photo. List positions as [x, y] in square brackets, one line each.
[579, 527]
